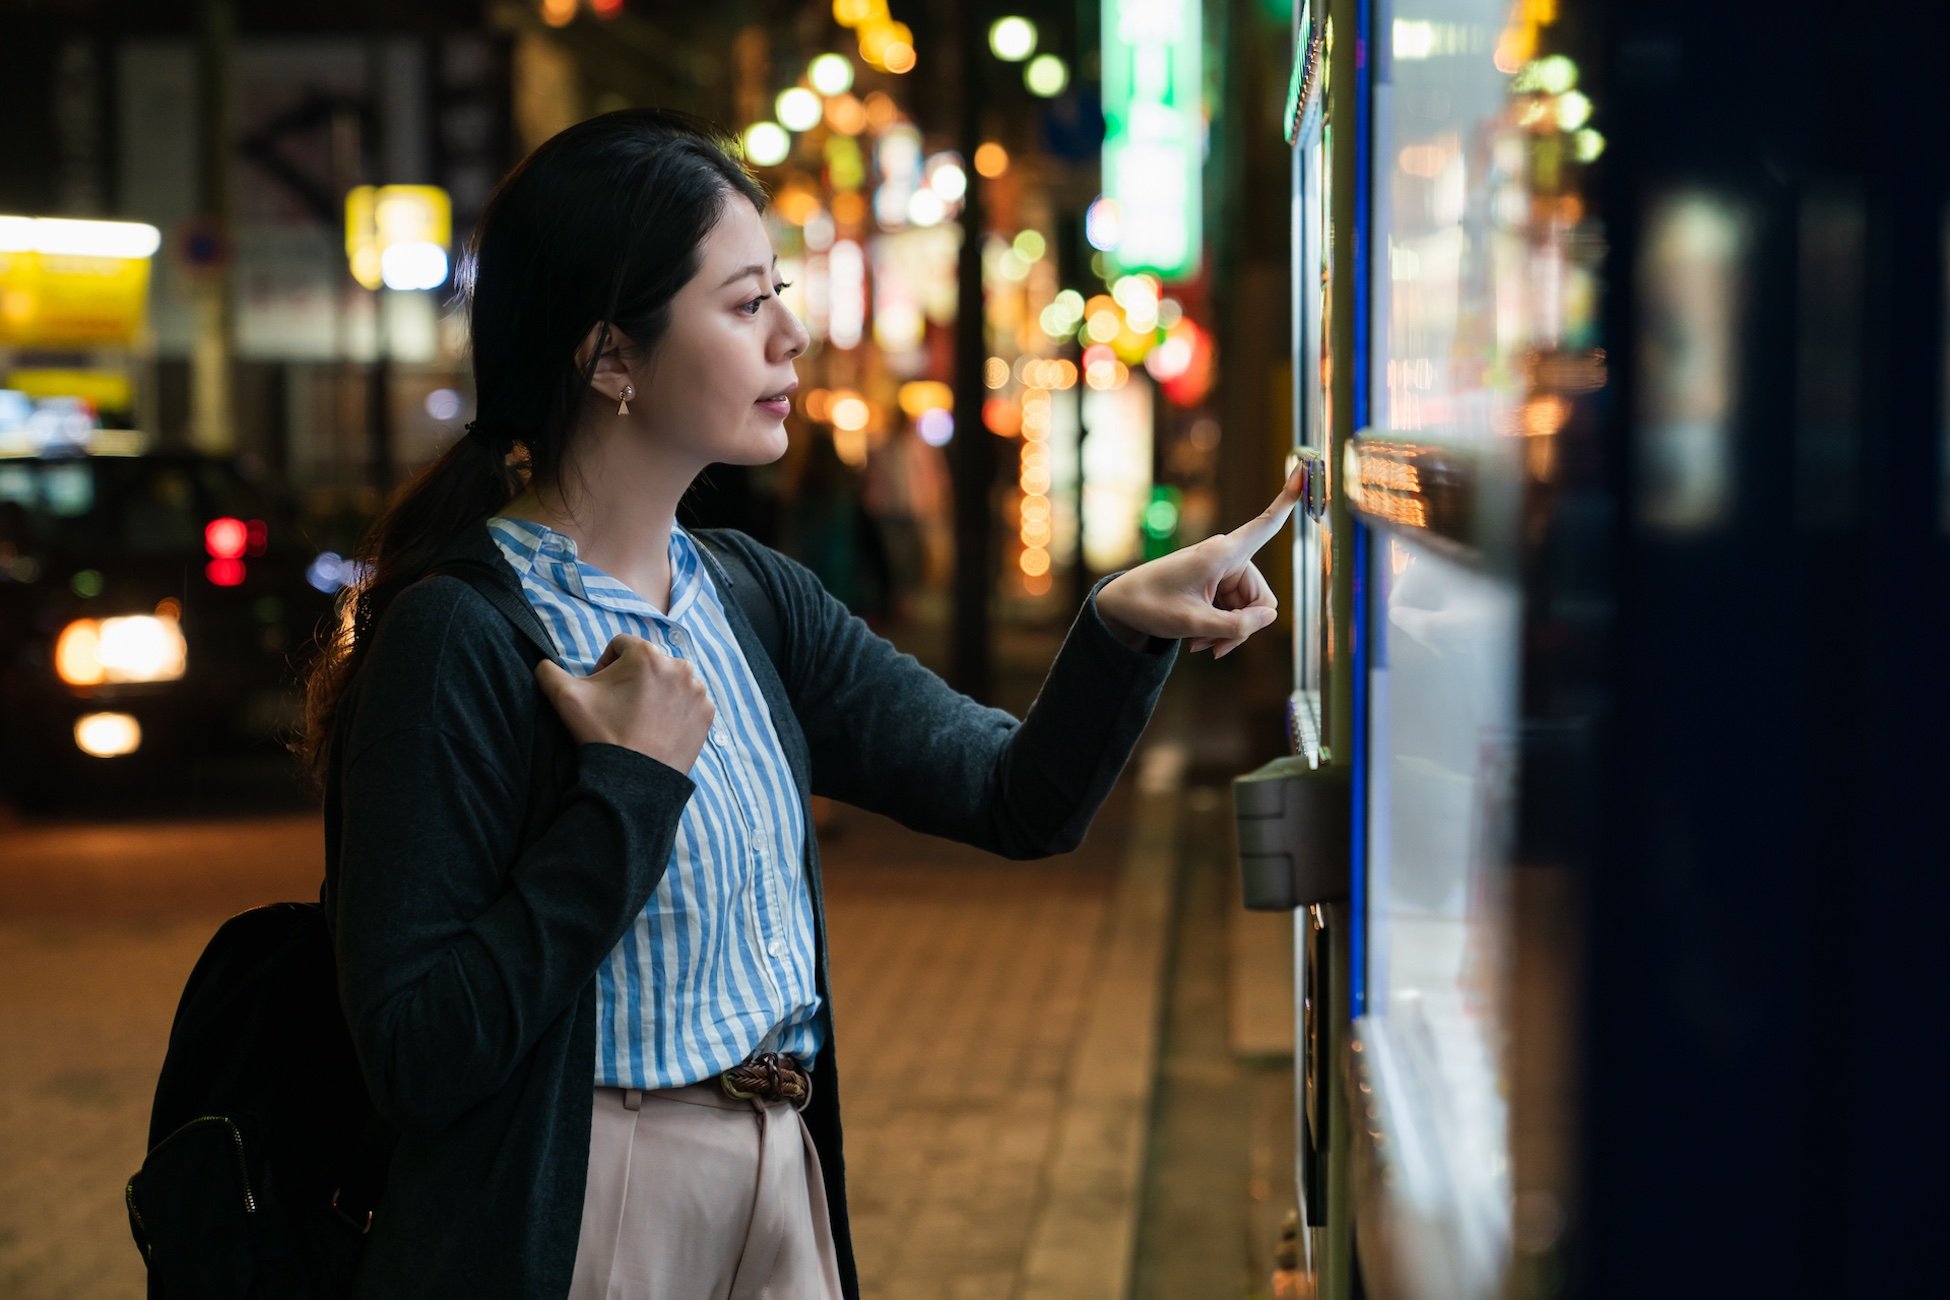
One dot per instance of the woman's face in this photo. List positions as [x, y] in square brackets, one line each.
[718, 384]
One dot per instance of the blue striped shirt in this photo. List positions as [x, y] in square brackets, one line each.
[720, 962]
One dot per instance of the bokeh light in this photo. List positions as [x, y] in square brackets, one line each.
[1012, 39]
[1103, 224]
[846, 114]
[1046, 75]
[926, 208]
[851, 413]
[831, 74]
[799, 109]
[767, 144]
[936, 427]
[946, 178]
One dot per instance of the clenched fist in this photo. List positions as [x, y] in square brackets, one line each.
[638, 697]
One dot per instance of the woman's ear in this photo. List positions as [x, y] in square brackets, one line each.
[612, 349]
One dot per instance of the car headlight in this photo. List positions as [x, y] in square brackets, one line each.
[135, 648]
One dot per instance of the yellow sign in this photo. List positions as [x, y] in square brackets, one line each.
[52, 300]
[73, 284]
[397, 235]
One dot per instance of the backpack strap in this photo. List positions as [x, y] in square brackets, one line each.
[513, 607]
[553, 748]
[732, 572]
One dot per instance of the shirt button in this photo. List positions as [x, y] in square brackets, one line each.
[775, 948]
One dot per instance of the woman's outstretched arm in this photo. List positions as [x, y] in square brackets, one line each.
[888, 735]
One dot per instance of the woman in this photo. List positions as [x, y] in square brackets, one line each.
[591, 995]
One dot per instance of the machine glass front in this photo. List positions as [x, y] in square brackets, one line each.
[1451, 296]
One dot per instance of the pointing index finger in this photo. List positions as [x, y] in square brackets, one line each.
[1265, 526]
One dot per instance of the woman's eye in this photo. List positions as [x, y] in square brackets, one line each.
[751, 308]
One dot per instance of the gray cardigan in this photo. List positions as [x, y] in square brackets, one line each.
[479, 867]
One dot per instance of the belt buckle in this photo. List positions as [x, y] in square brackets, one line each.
[775, 1069]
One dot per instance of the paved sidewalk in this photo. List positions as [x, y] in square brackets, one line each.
[994, 1137]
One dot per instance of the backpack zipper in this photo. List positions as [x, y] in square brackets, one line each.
[236, 1148]
[128, 1197]
[243, 1170]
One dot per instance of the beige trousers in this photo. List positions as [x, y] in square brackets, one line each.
[694, 1195]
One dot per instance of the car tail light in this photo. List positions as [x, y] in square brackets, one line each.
[226, 538]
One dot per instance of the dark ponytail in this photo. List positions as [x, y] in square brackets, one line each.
[601, 225]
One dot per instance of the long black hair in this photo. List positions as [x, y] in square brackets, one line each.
[597, 229]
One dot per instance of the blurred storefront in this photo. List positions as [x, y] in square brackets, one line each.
[1108, 253]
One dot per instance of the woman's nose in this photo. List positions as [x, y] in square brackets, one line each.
[797, 339]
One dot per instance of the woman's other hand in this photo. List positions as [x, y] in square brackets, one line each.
[637, 697]
[1209, 592]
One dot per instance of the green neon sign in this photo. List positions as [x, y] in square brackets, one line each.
[1154, 133]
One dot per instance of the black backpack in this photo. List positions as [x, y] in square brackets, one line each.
[266, 1158]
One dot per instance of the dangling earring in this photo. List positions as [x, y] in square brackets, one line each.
[623, 404]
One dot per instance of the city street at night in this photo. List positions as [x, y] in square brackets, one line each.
[1287, 639]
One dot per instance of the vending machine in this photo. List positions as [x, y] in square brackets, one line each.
[1445, 332]
[1607, 817]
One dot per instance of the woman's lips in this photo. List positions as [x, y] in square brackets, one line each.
[777, 406]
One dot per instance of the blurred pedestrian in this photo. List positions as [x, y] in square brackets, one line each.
[592, 996]
[829, 529]
[899, 480]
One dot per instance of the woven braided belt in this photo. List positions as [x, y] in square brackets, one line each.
[768, 1076]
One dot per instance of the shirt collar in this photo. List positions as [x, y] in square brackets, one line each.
[546, 556]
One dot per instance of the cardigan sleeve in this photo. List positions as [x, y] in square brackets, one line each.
[887, 734]
[458, 945]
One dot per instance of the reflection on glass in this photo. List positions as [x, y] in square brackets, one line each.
[1442, 714]
[1690, 285]
[1472, 285]
[1444, 365]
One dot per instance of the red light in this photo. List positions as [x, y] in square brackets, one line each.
[256, 535]
[225, 573]
[606, 8]
[225, 538]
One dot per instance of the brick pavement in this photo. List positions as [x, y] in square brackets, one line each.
[961, 984]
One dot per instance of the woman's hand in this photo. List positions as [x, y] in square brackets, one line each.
[638, 697]
[1209, 592]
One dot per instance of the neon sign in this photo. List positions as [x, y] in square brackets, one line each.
[1154, 133]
